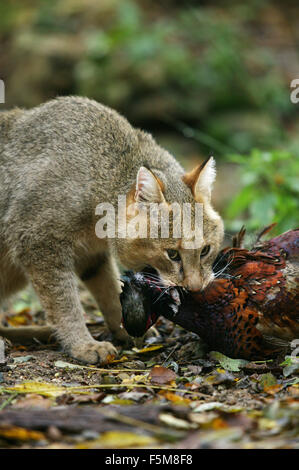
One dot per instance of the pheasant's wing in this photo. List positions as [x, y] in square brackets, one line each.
[227, 321]
[269, 274]
[286, 245]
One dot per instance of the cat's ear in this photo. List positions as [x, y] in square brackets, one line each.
[200, 180]
[149, 188]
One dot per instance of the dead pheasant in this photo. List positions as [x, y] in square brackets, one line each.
[250, 310]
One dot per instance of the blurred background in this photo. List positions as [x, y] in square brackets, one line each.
[204, 77]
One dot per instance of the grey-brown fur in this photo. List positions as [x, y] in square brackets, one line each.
[57, 162]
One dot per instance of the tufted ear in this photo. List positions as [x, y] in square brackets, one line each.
[149, 188]
[200, 180]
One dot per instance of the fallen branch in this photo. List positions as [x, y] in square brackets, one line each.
[79, 419]
[28, 334]
[81, 389]
[39, 334]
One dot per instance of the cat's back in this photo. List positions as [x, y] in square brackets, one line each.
[8, 120]
[73, 126]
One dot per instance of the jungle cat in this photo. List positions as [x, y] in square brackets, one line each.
[60, 160]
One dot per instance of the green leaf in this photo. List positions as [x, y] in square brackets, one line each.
[267, 380]
[67, 365]
[291, 365]
[240, 202]
[232, 365]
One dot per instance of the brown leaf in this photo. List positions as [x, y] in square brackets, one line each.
[110, 358]
[34, 401]
[20, 319]
[196, 370]
[237, 420]
[119, 440]
[294, 390]
[53, 433]
[273, 389]
[68, 398]
[174, 398]
[161, 375]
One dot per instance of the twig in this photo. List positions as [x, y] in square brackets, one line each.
[171, 352]
[131, 421]
[8, 400]
[88, 387]
[96, 369]
[33, 333]
[25, 334]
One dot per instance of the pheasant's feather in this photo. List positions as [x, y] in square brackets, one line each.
[251, 311]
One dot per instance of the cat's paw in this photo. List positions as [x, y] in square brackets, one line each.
[93, 352]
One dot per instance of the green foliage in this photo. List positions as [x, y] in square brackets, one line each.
[195, 66]
[228, 363]
[270, 191]
[199, 65]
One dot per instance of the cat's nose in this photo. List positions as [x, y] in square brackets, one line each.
[193, 283]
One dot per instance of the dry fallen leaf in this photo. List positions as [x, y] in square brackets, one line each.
[174, 398]
[69, 398]
[161, 375]
[273, 389]
[33, 400]
[135, 378]
[110, 358]
[149, 349]
[46, 389]
[118, 440]
[20, 319]
[122, 359]
[174, 422]
[20, 434]
[294, 390]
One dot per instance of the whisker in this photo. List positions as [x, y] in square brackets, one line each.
[182, 290]
[150, 274]
[162, 293]
[217, 274]
[220, 259]
[153, 277]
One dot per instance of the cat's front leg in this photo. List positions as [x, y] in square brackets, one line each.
[56, 286]
[102, 278]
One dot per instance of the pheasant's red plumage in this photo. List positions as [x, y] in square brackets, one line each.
[256, 310]
[252, 310]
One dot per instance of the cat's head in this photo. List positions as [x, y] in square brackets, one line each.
[185, 256]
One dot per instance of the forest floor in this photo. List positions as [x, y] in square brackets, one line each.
[172, 394]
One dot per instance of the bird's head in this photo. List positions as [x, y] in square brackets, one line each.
[144, 299]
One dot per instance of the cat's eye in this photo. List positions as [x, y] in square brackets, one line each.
[174, 255]
[205, 250]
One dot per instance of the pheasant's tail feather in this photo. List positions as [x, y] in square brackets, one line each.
[264, 232]
[239, 238]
